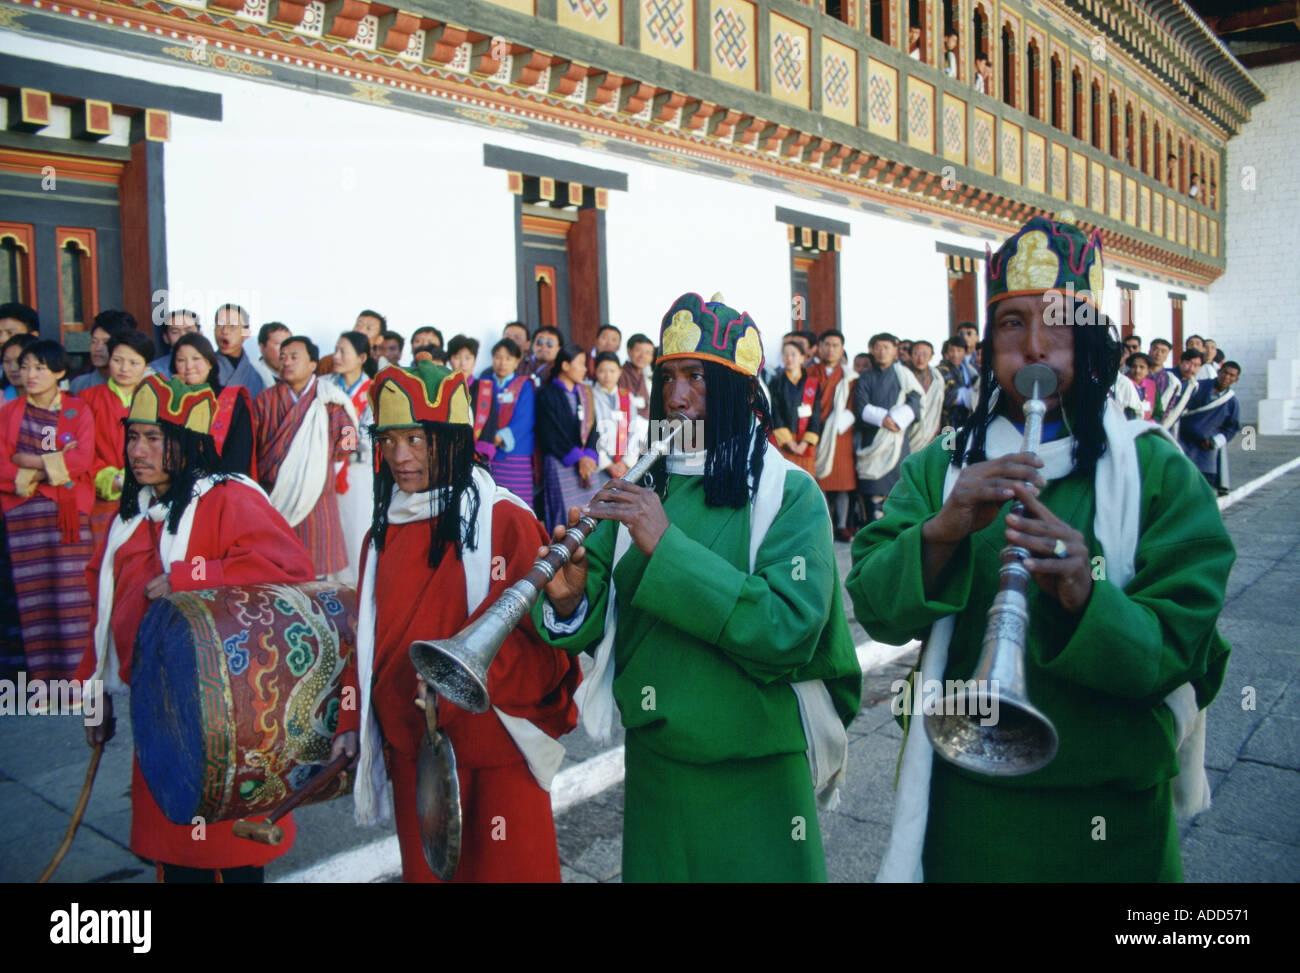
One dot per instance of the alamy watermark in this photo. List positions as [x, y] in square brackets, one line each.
[53, 697]
[950, 697]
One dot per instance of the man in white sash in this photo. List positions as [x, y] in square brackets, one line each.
[1185, 383]
[926, 426]
[1211, 420]
[305, 432]
[444, 546]
[886, 400]
[1129, 562]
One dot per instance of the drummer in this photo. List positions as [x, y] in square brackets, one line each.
[235, 537]
[445, 543]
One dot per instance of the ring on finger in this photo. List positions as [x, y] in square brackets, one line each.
[1060, 550]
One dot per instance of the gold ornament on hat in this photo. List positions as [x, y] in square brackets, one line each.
[682, 335]
[1035, 265]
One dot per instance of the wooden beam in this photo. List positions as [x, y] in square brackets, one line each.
[1278, 55]
[1270, 16]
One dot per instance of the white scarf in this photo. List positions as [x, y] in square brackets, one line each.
[171, 548]
[543, 754]
[920, 432]
[307, 467]
[826, 445]
[1214, 402]
[886, 447]
[1172, 415]
[827, 751]
[1117, 524]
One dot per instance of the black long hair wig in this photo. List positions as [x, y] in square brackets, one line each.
[451, 464]
[1097, 354]
[188, 456]
[736, 427]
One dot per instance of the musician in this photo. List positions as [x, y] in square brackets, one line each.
[1129, 560]
[712, 606]
[444, 544]
[234, 537]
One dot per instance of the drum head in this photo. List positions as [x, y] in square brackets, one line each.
[437, 797]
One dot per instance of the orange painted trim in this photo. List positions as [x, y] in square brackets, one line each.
[705, 356]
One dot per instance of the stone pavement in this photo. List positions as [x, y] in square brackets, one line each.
[1251, 834]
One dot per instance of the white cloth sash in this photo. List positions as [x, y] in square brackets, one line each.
[171, 548]
[926, 425]
[1213, 403]
[825, 460]
[1117, 525]
[372, 798]
[307, 467]
[877, 459]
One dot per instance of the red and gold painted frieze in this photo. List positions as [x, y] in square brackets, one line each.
[496, 82]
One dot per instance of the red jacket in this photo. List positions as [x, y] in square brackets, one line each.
[76, 426]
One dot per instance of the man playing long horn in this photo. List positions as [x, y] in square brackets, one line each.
[1129, 560]
[712, 606]
[182, 527]
[445, 542]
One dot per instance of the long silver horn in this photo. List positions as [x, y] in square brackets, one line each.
[457, 667]
[1021, 739]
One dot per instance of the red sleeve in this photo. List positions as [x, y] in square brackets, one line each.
[256, 544]
[528, 678]
[339, 425]
[350, 716]
[79, 458]
[8, 445]
[87, 667]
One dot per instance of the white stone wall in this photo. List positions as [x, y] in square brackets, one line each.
[1253, 302]
[307, 208]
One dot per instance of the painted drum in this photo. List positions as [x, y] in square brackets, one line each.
[235, 695]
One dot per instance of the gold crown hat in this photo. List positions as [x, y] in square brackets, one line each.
[158, 400]
[710, 330]
[405, 397]
[1045, 255]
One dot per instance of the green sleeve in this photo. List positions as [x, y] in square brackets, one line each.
[886, 583]
[768, 622]
[600, 552]
[1159, 632]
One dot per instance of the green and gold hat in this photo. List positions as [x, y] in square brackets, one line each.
[694, 328]
[405, 397]
[1045, 255]
[158, 400]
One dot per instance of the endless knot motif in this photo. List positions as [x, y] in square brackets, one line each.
[983, 141]
[1035, 161]
[787, 61]
[952, 130]
[880, 99]
[590, 9]
[918, 108]
[1010, 153]
[730, 46]
[835, 81]
[665, 21]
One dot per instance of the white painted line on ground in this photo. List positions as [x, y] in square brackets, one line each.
[1242, 492]
[381, 860]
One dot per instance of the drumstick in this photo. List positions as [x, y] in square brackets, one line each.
[268, 832]
[77, 814]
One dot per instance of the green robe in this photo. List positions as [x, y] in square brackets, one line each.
[1100, 678]
[717, 781]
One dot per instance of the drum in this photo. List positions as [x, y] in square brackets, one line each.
[235, 695]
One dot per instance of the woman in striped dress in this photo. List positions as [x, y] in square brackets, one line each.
[47, 445]
[567, 437]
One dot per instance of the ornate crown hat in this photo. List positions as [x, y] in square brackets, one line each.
[694, 328]
[406, 397]
[1044, 255]
[158, 400]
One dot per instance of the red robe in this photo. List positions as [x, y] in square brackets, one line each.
[110, 449]
[843, 475]
[528, 678]
[244, 541]
[276, 419]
